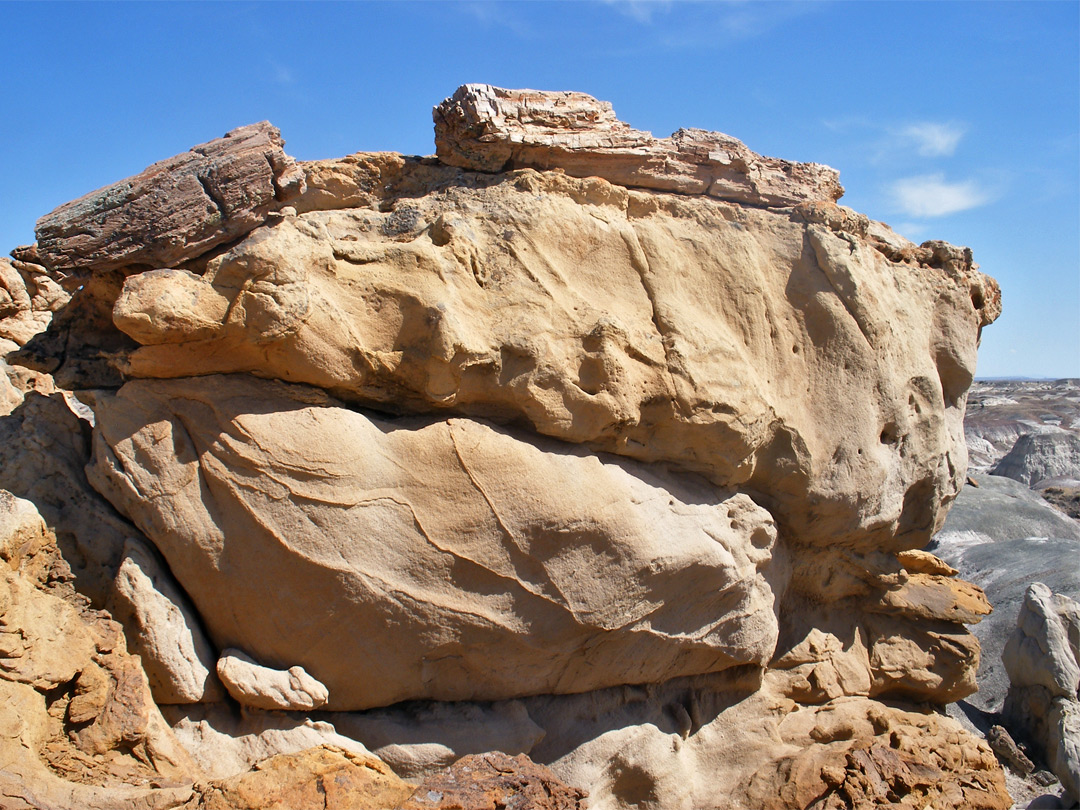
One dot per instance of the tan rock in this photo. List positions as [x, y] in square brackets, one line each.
[324, 778]
[261, 687]
[491, 129]
[44, 446]
[930, 596]
[682, 641]
[78, 728]
[226, 740]
[176, 209]
[29, 295]
[427, 568]
[473, 300]
[917, 561]
[163, 629]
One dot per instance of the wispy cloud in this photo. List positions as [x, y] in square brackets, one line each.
[283, 76]
[640, 10]
[933, 139]
[885, 142]
[930, 195]
[495, 14]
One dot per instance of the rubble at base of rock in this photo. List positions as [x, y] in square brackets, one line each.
[572, 462]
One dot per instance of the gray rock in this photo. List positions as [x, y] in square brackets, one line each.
[1043, 704]
[1002, 537]
[1038, 457]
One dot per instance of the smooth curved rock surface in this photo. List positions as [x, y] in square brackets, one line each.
[769, 352]
[432, 559]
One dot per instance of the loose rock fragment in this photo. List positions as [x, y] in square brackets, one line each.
[264, 688]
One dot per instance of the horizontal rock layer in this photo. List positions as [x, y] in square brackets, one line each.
[432, 559]
[769, 352]
[491, 129]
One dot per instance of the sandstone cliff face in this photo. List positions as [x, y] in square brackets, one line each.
[567, 411]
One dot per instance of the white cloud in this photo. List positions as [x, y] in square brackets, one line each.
[930, 195]
[915, 231]
[640, 10]
[933, 140]
[283, 76]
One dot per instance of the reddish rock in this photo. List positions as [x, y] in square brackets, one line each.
[494, 781]
[490, 129]
[176, 209]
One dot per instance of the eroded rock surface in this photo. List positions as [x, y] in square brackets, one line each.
[493, 781]
[490, 129]
[430, 552]
[627, 445]
[1042, 658]
[1051, 456]
[79, 728]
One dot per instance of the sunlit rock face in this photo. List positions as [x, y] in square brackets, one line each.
[442, 559]
[639, 432]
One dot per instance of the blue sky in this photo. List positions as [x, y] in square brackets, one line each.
[955, 121]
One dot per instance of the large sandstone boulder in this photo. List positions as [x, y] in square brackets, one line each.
[433, 559]
[611, 317]
[626, 445]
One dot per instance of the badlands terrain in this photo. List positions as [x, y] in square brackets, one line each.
[568, 467]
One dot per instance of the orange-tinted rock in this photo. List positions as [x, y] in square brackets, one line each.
[492, 782]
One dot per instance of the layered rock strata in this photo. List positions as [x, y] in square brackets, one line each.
[636, 437]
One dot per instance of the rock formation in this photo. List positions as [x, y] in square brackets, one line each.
[1002, 536]
[615, 451]
[1042, 658]
[1043, 457]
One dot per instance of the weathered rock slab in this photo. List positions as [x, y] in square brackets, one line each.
[491, 129]
[176, 209]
